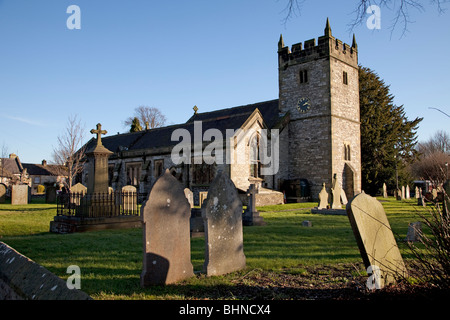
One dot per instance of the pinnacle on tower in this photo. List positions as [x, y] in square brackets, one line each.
[354, 45]
[281, 42]
[328, 29]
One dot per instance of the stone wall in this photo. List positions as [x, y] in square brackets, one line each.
[22, 278]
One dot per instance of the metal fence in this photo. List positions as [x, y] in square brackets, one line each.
[98, 205]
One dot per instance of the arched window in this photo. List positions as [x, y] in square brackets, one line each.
[255, 161]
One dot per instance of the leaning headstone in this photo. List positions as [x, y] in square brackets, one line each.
[323, 198]
[414, 232]
[385, 195]
[408, 192]
[375, 239]
[19, 194]
[167, 244]
[2, 193]
[129, 199]
[189, 196]
[222, 213]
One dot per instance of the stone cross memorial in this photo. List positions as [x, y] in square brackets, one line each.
[167, 243]
[251, 216]
[222, 213]
[375, 240]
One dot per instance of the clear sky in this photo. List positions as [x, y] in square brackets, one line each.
[176, 54]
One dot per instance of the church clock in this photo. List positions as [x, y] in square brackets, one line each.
[303, 105]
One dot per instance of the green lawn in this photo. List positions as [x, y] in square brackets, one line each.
[111, 260]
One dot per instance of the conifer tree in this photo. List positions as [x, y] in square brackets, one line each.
[388, 138]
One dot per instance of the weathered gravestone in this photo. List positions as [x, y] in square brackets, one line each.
[408, 192]
[222, 212]
[323, 198]
[403, 193]
[375, 240]
[2, 193]
[385, 195]
[19, 194]
[167, 244]
[129, 199]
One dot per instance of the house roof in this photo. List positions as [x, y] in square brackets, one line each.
[12, 165]
[42, 170]
[223, 119]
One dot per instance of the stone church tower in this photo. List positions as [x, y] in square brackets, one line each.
[319, 95]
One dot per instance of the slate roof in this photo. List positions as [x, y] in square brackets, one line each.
[41, 170]
[230, 118]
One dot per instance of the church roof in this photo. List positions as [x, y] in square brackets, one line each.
[230, 118]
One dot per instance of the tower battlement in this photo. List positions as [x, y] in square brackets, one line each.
[326, 46]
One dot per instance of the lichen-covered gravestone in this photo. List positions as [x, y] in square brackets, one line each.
[375, 239]
[167, 244]
[222, 212]
[19, 194]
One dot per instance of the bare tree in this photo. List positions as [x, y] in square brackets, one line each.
[69, 154]
[401, 9]
[148, 116]
[434, 158]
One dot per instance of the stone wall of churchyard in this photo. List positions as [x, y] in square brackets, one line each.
[23, 279]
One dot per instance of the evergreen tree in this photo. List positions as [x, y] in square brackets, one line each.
[388, 138]
[135, 125]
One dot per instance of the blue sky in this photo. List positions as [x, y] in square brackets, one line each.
[174, 55]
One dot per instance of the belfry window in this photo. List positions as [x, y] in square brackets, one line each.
[303, 76]
[344, 78]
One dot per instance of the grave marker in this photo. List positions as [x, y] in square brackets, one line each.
[222, 213]
[167, 244]
[19, 194]
[375, 239]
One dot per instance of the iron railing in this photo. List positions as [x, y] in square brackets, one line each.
[98, 205]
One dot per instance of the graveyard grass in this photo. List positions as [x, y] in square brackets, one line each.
[111, 260]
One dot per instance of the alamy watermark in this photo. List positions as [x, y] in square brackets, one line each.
[74, 281]
[263, 146]
[374, 20]
[74, 20]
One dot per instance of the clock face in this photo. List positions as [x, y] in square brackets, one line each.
[303, 105]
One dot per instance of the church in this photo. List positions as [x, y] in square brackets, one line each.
[310, 134]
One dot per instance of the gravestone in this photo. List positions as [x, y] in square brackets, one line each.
[189, 196]
[129, 199]
[417, 195]
[408, 192]
[50, 194]
[323, 198]
[403, 193]
[2, 193]
[167, 244]
[78, 188]
[336, 191]
[19, 194]
[222, 213]
[306, 223]
[251, 216]
[384, 191]
[414, 231]
[375, 239]
[398, 194]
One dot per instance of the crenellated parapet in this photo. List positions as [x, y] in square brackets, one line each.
[326, 46]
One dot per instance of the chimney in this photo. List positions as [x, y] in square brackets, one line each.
[12, 156]
[44, 162]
